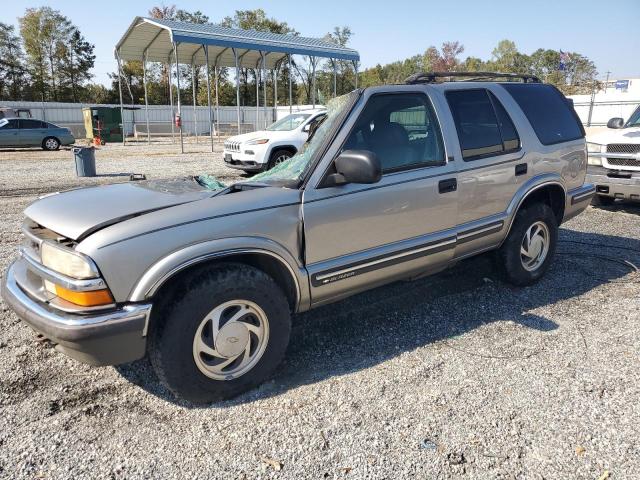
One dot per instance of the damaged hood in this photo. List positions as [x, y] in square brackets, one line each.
[78, 213]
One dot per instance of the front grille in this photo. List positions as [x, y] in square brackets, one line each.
[623, 148]
[624, 162]
[232, 146]
[626, 148]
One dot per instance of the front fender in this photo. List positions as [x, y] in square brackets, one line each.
[165, 268]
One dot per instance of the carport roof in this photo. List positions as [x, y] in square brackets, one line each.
[156, 37]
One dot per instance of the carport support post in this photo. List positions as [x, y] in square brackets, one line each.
[169, 73]
[175, 50]
[235, 57]
[206, 58]
[290, 94]
[313, 81]
[215, 72]
[193, 92]
[264, 88]
[146, 97]
[257, 72]
[335, 78]
[275, 93]
[355, 67]
[120, 92]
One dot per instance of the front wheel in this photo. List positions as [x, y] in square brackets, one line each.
[526, 254]
[278, 157]
[220, 332]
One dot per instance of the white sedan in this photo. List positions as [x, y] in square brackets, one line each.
[261, 150]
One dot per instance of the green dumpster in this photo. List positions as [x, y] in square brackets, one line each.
[103, 124]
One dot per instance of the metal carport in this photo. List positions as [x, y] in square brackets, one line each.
[168, 41]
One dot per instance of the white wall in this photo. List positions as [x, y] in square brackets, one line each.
[70, 115]
[605, 106]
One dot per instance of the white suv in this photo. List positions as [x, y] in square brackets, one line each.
[261, 150]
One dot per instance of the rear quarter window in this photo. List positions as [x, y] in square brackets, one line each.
[549, 113]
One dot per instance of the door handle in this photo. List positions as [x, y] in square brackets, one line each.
[521, 169]
[448, 185]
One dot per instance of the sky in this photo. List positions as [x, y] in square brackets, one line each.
[386, 31]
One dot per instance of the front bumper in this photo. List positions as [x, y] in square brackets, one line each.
[242, 161]
[105, 338]
[615, 183]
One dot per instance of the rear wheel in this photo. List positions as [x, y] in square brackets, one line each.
[602, 200]
[526, 254]
[51, 144]
[219, 332]
[279, 156]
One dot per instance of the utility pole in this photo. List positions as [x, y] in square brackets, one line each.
[606, 83]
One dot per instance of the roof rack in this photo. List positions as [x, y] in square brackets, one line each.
[431, 77]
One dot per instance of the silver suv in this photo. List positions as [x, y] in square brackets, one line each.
[397, 181]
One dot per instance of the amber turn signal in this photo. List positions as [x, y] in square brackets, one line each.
[91, 298]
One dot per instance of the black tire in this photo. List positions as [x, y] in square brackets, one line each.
[602, 201]
[51, 144]
[508, 256]
[181, 312]
[276, 155]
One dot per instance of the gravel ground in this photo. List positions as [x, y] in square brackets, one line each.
[452, 376]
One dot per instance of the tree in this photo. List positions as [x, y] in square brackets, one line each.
[448, 61]
[254, 20]
[195, 17]
[12, 71]
[345, 69]
[163, 12]
[51, 41]
[75, 63]
[578, 76]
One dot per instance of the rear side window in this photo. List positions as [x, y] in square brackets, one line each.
[510, 138]
[547, 110]
[483, 126]
[32, 124]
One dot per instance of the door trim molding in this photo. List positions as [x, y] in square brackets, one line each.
[364, 266]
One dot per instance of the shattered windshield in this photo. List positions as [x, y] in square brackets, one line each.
[292, 170]
[634, 120]
[295, 167]
[288, 123]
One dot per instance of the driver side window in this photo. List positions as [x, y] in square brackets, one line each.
[401, 129]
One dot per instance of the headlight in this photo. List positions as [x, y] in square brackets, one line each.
[258, 141]
[67, 262]
[594, 147]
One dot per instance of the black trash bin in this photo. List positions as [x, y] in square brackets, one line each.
[85, 158]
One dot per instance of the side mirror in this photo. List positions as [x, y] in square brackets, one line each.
[615, 122]
[356, 166]
[306, 128]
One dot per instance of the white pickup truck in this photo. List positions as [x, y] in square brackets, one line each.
[614, 160]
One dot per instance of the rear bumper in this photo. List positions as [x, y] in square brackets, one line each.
[615, 183]
[105, 338]
[577, 200]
